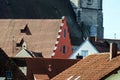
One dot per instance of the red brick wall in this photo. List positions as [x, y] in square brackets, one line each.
[64, 48]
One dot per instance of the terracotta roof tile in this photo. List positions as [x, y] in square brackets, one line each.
[42, 39]
[93, 67]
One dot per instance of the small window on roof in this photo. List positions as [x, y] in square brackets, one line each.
[26, 30]
[24, 45]
[20, 43]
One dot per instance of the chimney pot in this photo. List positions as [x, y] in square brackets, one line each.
[113, 50]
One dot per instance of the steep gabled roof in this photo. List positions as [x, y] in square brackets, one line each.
[42, 39]
[6, 64]
[49, 67]
[93, 67]
[40, 9]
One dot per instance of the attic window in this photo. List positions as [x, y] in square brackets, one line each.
[26, 30]
[64, 33]
[19, 44]
[63, 49]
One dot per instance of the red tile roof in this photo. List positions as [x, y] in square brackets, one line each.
[42, 39]
[93, 67]
[50, 67]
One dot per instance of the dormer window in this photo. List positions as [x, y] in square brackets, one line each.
[26, 30]
[49, 68]
[20, 42]
[24, 45]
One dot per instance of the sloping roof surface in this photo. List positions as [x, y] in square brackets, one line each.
[101, 46]
[6, 64]
[42, 39]
[93, 67]
[42, 9]
[111, 41]
[50, 67]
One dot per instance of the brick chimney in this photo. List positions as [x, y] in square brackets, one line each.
[113, 50]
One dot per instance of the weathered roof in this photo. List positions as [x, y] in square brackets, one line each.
[40, 9]
[42, 38]
[7, 64]
[50, 67]
[93, 67]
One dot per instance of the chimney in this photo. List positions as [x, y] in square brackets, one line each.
[92, 39]
[113, 50]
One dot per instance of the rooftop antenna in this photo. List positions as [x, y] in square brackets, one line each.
[13, 41]
[114, 35]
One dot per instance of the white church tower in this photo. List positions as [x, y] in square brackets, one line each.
[90, 13]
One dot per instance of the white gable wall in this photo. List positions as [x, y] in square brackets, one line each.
[23, 53]
[86, 46]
